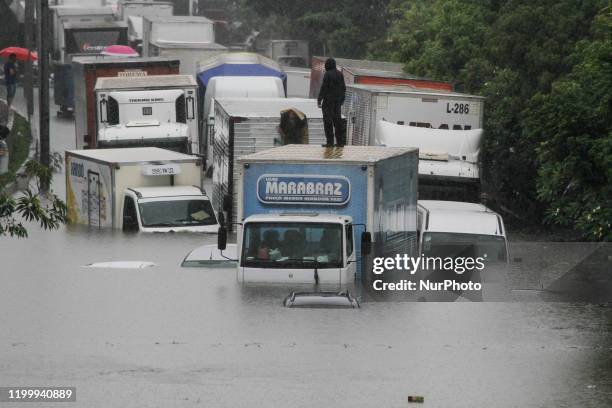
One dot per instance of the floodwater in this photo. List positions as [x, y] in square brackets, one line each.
[172, 336]
[168, 336]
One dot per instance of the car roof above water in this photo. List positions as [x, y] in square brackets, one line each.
[461, 217]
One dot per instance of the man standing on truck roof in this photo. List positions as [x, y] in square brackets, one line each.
[331, 98]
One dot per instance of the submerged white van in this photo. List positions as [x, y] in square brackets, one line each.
[457, 229]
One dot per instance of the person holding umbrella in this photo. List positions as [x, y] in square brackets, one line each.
[10, 78]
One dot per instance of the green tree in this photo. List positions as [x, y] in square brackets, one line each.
[574, 126]
[48, 210]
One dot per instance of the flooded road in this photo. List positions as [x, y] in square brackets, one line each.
[168, 336]
[172, 336]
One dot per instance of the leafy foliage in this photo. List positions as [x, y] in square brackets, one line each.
[48, 210]
[543, 74]
[342, 28]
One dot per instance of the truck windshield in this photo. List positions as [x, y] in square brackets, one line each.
[454, 245]
[176, 213]
[292, 245]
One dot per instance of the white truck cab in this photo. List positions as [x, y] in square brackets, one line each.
[296, 248]
[167, 209]
[459, 229]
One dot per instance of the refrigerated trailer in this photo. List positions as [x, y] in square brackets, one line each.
[145, 189]
[155, 102]
[366, 105]
[86, 71]
[248, 125]
[324, 196]
[371, 73]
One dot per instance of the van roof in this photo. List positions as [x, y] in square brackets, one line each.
[158, 81]
[167, 191]
[460, 217]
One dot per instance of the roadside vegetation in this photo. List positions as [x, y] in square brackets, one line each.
[48, 210]
[18, 143]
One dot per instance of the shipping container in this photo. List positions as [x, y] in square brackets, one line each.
[372, 73]
[86, 71]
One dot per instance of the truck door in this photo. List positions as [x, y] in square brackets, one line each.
[93, 199]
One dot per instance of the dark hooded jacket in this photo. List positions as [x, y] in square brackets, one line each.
[332, 88]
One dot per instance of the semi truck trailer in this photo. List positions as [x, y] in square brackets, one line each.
[366, 105]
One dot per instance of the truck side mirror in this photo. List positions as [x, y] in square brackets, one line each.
[221, 217]
[222, 238]
[227, 202]
[366, 243]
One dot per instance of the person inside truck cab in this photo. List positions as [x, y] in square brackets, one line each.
[269, 248]
[330, 245]
[292, 245]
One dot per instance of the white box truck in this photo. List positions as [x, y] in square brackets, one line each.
[248, 125]
[165, 106]
[366, 105]
[138, 189]
[131, 12]
[449, 160]
[300, 208]
[292, 53]
[74, 14]
[176, 29]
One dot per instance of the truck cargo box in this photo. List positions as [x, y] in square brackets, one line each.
[166, 99]
[355, 181]
[366, 105]
[86, 71]
[372, 73]
[249, 125]
[176, 29]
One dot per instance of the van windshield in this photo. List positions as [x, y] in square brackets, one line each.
[292, 245]
[176, 213]
[455, 245]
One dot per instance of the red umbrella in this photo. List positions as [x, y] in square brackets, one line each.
[21, 53]
[119, 51]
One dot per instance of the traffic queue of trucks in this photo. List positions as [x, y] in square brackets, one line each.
[148, 129]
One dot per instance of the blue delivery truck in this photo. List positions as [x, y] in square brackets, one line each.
[305, 212]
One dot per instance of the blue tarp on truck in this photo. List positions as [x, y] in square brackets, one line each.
[238, 64]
